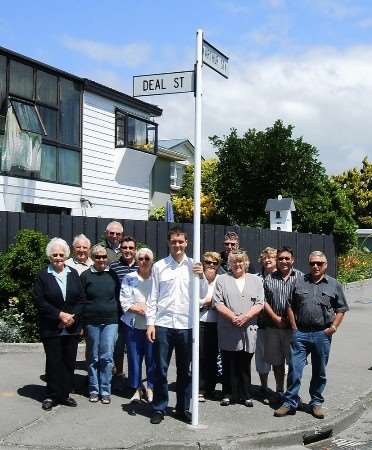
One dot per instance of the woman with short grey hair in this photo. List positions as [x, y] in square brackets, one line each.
[134, 293]
[238, 298]
[80, 260]
[59, 297]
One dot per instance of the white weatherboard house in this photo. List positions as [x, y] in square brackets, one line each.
[280, 213]
[69, 145]
[173, 156]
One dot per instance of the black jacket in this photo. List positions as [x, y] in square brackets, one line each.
[50, 303]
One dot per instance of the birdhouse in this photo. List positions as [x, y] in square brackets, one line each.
[280, 210]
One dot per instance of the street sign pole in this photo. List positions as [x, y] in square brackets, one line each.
[196, 253]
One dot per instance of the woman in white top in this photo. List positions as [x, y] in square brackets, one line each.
[208, 339]
[135, 290]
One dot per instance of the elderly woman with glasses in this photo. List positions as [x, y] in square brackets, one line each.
[59, 298]
[101, 315]
[238, 298]
[208, 339]
[134, 293]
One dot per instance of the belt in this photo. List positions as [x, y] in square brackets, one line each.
[308, 329]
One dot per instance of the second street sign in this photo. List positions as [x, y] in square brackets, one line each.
[214, 59]
[163, 83]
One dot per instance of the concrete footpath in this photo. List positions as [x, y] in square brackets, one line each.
[23, 424]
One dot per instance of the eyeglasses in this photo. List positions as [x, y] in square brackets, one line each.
[284, 258]
[127, 248]
[144, 258]
[211, 263]
[100, 257]
[113, 233]
[55, 255]
[316, 263]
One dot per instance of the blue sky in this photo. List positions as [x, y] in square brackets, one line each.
[308, 62]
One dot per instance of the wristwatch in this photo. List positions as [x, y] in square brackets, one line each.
[334, 328]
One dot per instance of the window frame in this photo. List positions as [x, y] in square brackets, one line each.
[45, 139]
[125, 115]
[35, 108]
[173, 168]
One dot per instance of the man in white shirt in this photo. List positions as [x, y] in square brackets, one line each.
[169, 323]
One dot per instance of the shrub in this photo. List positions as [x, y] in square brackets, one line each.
[12, 327]
[19, 266]
[355, 266]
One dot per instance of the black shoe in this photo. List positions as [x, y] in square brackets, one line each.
[69, 401]
[184, 416]
[48, 404]
[157, 417]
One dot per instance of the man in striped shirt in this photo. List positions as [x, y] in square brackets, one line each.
[126, 264]
[278, 288]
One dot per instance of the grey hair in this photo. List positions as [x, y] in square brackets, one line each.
[318, 253]
[115, 222]
[146, 251]
[57, 242]
[81, 237]
[98, 248]
[238, 254]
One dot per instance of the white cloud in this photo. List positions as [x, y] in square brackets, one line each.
[129, 55]
[325, 93]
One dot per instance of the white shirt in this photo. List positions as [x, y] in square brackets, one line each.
[208, 314]
[170, 303]
[134, 290]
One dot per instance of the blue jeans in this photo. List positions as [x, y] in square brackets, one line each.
[318, 344]
[138, 348]
[166, 340]
[101, 348]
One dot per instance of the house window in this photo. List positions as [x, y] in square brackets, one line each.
[46, 209]
[277, 216]
[47, 108]
[135, 132]
[176, 175]
[27, 117]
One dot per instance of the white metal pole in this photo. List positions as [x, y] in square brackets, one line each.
[196, 253]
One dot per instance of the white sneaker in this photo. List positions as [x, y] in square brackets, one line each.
[149, 395]
[136, 396]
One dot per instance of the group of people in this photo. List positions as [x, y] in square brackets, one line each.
[119, 297]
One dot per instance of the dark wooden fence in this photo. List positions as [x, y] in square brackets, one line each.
[154, 235]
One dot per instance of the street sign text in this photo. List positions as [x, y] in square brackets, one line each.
[163, 83]
[214, 59]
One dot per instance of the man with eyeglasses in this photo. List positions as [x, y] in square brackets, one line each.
[278, 334]
[230, 243]
[126, 264]
[316, 310]
[114, 233]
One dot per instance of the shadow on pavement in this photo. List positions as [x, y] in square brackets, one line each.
[33, 391]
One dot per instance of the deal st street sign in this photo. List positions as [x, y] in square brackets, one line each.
[163, 83]
[214, 59]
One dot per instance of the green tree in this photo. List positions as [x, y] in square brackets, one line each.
[262, 164]
[357, 185]
[211, 209]
[208, 179]
[19, 266]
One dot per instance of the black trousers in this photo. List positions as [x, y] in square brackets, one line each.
[60, 353]
[208, 352]
[236, 375]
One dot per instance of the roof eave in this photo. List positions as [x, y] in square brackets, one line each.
[112, 94]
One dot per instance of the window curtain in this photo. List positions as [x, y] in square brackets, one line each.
[21, 149]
